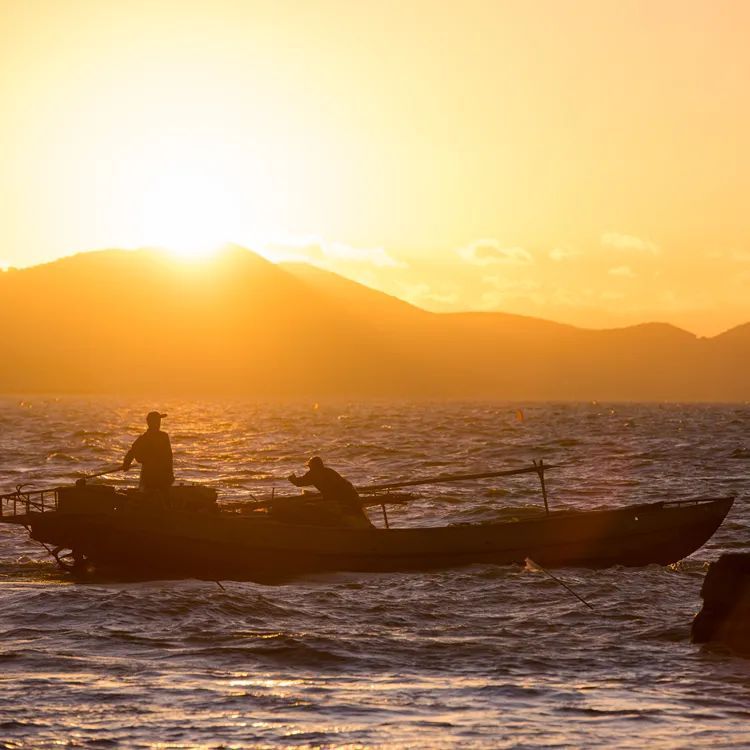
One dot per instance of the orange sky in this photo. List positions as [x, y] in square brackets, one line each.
[582, 161]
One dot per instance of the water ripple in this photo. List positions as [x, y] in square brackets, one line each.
[484, 656]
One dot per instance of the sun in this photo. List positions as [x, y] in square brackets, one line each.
[189, 213]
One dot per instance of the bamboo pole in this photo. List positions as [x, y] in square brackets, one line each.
[438, 479]
[540, 471]
[443, 478]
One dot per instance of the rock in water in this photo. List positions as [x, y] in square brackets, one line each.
[725, 616]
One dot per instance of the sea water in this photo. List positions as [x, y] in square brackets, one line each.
[481, 656]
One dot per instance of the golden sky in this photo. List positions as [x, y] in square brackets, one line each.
[585, 161]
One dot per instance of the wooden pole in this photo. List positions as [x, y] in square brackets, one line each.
[103, 473]
[540, 472]
[441, 478]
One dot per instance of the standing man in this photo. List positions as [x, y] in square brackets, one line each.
[154, 452]
[336, 489]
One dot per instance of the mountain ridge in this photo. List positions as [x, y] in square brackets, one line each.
[295, 267]
[119, 321]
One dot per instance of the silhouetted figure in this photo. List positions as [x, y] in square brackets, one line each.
[153, 452]
[336, 489]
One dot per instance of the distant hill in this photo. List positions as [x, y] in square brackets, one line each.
[142, 322]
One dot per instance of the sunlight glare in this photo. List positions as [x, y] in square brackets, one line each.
[189, 214]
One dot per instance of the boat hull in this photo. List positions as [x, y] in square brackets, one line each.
[229, 546]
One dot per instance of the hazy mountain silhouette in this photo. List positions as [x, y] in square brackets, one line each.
[142, 322]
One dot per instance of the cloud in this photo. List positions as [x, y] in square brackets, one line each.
[511, 285]
[313, 250]
[509, 290]
[624, 271]
[423, 295]
[629, 242]
[490, 301]
[559, 254]
[488, 251]
[375, 256]
[284, 253]
[736, 256]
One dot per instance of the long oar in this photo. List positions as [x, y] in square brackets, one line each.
[82, 480]
[443, 478]
[535, 566]
[110, 470]
[437, 479]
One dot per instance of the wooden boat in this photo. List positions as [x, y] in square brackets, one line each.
[109, 533]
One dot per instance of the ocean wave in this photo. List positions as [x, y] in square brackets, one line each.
[62, 457]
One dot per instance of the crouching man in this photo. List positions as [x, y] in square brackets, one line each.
[335, 489]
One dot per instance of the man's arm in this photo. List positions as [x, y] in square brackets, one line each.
[304, 481]
[130, 455]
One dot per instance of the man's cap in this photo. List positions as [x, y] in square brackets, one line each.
[152, 415]
[315, 461]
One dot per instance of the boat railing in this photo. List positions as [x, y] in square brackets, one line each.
[15, 506]
[22, 502]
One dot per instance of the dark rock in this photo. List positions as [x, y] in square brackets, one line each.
[725, 616]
